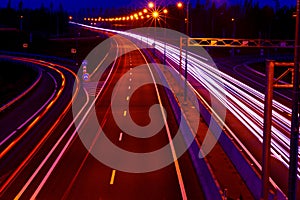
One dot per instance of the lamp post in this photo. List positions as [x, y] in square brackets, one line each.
[151, 5]
[180, 5]
[165, 11]
[155, 15]
[233, 33]
[21, 23]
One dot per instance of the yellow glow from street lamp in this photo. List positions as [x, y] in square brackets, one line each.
[84, 19]
[151, 5]
[155, 14]
[131, 17]
[135, 15]
[140, 13]
[142, 17]
[148, 16]
[232, 19]
[145, 10]
[165, 11]
[179, 5]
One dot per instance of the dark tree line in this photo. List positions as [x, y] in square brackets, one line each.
[44, 20]
[246, 20]
[242, 21]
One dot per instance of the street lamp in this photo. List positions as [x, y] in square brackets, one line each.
[21, 22]
[179, 5]
[165, 11]
[155, 14]
[151, 5]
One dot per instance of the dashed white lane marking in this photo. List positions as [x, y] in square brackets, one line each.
[120, 137]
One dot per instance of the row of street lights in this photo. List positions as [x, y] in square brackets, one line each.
[146, 13]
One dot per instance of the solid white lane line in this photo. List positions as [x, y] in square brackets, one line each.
[112, 179]
[127, 98]
[125, 113]
[129, 87]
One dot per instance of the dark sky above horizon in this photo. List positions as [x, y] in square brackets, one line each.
[74, 5]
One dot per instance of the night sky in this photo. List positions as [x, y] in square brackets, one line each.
[73, 5]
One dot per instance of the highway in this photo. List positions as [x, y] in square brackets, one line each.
[16, 179]
[43, 154]
[59, 166]
[244, 103]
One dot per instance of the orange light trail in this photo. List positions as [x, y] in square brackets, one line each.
[38, 146]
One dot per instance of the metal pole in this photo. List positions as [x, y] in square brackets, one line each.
[21, 23]
[154, 35]
[187, 18]
[185, 69]
[186, 58]
[293, 166]
[233, 34]
[165, 39]
[180, 56]
[186, 48]
[267, 129]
